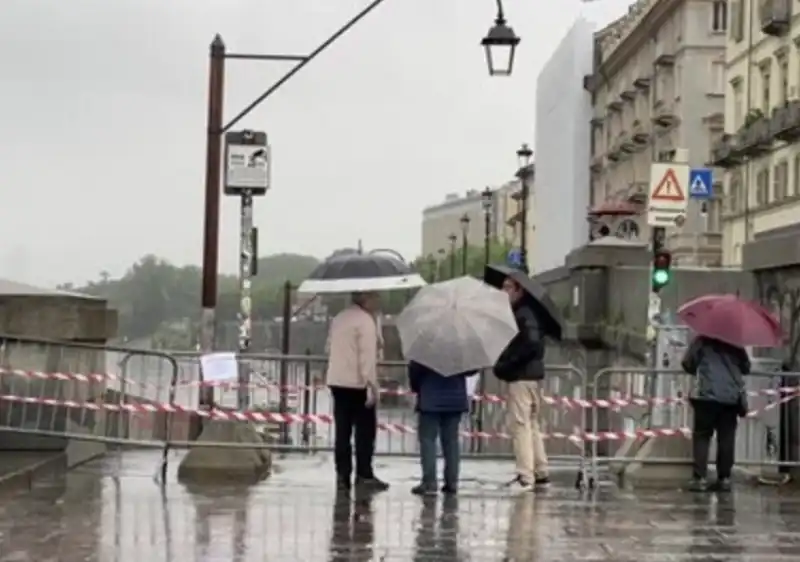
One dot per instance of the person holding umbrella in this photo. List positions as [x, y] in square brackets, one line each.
[521, 365]
[724, 325]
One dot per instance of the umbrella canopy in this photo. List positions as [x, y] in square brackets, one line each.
[346, 273]
[537, 297]
[456, 326]
[732, 320]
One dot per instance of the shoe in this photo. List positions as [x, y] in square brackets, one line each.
[373, 484]
[449, 490]
[721, 485]
[519, 484]
[343, 484]
[698, 485]
[424, 490]
[541, 482]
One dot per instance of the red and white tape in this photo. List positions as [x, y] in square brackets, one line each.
[294, 390]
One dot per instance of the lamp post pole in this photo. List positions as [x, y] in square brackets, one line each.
[487, 197]
[464, 243]
[524, 155]
[453, 239]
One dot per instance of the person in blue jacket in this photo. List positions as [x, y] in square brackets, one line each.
[441, 401]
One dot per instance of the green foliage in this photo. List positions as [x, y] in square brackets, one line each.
[441, 269]
[157, 299]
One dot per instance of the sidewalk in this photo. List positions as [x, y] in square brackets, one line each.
[111, 510]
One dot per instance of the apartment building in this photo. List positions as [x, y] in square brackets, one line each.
[760, 149]
[460, 212]
[658, 85]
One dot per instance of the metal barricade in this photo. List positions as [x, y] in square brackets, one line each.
[55, 391]
[630, 406]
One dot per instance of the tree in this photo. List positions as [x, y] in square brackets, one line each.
[439, 270]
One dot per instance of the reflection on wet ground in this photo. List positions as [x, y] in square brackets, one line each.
[111, 511]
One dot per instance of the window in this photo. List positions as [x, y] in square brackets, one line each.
[718, 78]
[796, 178]
[783, 70]
[737, 20]
[780, 181]
[738, 105]
[719, 15]
[713, 210]
[766, 78]
[762, 187]
[735, 192]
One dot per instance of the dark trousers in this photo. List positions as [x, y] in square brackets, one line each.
[350, 413]
[444, 427]
[709, 418]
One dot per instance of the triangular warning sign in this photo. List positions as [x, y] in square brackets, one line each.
[668, 189]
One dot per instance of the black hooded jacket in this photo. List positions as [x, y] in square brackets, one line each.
[523, 358]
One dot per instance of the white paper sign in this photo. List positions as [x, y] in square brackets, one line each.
[472, 385]
[219, 367]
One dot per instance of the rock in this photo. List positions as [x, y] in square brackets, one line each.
[233, 465]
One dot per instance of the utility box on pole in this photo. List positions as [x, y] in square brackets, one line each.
[247, 163]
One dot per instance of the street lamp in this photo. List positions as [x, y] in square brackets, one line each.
[525, 171]
[453, 239]
[464, 242]
[487, 201]
[500, 45]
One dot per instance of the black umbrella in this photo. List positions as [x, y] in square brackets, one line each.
[349, 272]
[541, 303]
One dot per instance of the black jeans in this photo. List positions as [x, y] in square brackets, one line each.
[709, 418]
[350, 413]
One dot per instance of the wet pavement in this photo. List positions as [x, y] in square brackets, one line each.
[112, 511]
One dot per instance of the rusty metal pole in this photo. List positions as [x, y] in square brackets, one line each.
[216, 94]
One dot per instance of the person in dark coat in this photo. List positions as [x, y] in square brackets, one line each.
[441, 402]
[521, 365]
[718, 398]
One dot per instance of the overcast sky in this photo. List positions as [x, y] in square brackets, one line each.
[103, 115]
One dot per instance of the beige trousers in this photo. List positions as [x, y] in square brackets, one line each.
[522, 413]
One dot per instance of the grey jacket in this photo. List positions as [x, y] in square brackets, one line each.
[718, 368]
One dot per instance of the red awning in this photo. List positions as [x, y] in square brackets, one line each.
[615, 208]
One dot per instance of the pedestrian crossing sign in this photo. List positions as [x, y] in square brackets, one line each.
[700, 183]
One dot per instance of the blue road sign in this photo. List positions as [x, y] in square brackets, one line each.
[514, 257]
[700, 183]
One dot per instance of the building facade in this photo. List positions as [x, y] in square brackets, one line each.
[658, 85]
[563, 111]
[446, 220]
[760, 151]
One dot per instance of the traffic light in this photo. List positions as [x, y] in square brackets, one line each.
[662, 260]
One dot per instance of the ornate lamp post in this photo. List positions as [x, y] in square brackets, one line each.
[464, 242]
[500, 45]
[453, 239]
[524, 157]
[487, 202]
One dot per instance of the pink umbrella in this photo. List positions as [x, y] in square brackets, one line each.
[733, 320]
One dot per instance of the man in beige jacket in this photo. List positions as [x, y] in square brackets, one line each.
[353, 347]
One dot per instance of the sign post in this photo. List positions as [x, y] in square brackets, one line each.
[247, 174]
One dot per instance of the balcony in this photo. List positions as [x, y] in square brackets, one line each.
[591, 83]
[664, 114]
[637, 192]
[596, 164]
[725, 153]
[614, 105]
[776, 16]
[642, 83]
[754, 138]
[614, 154]
[628, 94]
[640, 135]
[665, 55]
[626, 144]
[785, 122]
[597, 121]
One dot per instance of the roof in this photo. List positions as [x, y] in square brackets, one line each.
[10, 288]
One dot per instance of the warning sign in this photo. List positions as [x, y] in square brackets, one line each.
[666, 205]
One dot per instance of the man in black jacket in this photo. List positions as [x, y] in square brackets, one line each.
[521, 365]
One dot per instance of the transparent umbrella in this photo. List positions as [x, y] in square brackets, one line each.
[456, 326]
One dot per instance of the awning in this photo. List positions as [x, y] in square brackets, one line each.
[614, 208]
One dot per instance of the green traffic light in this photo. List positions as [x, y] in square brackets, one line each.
[660, 277]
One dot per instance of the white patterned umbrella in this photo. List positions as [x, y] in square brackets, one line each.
[456, 326]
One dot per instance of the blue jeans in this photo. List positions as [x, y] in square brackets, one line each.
[444, 426]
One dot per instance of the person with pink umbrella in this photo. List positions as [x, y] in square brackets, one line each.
[724, 326]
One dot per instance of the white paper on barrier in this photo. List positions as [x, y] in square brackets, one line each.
[472, 385]
[219, 367]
